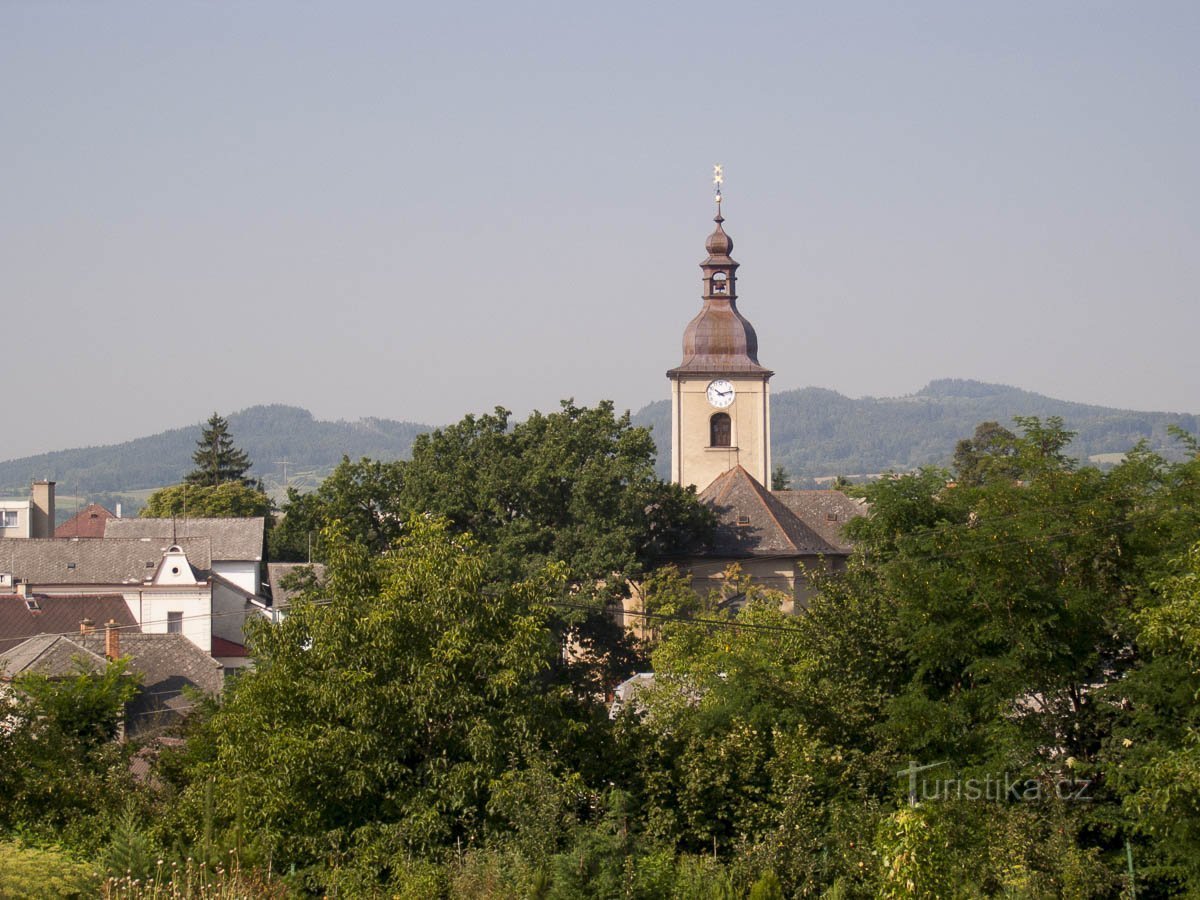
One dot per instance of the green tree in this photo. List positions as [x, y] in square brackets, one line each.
[780, 479]
[384, 721]
[364, 496]
[60, 769]
[217, 459]
[229, 499]
[987, 454]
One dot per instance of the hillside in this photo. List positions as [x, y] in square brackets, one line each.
[819, 433]
[267, 433]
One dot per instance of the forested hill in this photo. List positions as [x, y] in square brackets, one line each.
[267, 433]
[819, 433]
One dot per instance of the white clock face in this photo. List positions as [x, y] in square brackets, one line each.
[720, 393]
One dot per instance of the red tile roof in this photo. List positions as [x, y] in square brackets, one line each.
[87, 523]
[19, 619]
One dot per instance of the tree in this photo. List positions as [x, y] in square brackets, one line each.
[364, 496]
[386, 718]
[230, 499]
[987, 454]
[217, 459]
[780, 479]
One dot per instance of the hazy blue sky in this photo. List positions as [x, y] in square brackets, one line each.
[419, 210]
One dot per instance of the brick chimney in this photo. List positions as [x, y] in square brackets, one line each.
[112, 640]
[87, 626]
[41, 514]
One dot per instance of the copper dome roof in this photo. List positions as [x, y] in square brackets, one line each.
[720, 340]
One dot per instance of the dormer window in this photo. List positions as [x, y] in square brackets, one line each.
[720, 284]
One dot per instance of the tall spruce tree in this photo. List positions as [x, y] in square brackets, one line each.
[218, 460]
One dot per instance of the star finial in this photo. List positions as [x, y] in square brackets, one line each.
[718, 180]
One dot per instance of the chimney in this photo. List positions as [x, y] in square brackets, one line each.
[41, 518]
[112, 640]
[86, 627]
[22, 588]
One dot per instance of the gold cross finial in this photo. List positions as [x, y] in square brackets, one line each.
[718, 180]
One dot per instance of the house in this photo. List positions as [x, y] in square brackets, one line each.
[171, 670]
[32, 518]
[235, 544]
[168, 589]
[87, 523]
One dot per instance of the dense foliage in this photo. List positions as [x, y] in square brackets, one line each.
[998, 697]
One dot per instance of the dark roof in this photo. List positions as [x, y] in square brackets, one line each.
[825, 512]
[167, 663]
[229, 538]
[752, 522]
[277, 572]
[80, 561]
[49, 654]
[58, 615]
[87, 523]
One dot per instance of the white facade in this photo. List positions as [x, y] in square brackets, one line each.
[244, 573]
[15, 518]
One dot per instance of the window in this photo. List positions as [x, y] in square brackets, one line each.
[719, 430]
[719, 284]
[174, 623]
[8, 518]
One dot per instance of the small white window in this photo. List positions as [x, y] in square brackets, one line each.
[8, 518]
[174, 623]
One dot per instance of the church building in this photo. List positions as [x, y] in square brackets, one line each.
[721, 444]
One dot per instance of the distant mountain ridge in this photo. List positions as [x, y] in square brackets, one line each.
[268, 433]
[816, 433]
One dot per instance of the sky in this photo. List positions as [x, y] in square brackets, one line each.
[415, 211]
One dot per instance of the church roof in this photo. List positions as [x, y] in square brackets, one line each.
[751, 521]
[719, 340]
[825, 512]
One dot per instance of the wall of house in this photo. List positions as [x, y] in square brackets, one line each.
[244, 573]
[230, 609]
[21, 530]
[151, 605]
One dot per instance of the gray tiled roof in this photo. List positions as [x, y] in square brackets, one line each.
[167, 663]
[752, 522]
[58, 615]
[51, 655]
[88, 561]
[230, 538]
[825, 512]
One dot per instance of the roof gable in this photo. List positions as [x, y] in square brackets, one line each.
[87, 523]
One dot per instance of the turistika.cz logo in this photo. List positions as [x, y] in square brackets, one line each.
[998, 789]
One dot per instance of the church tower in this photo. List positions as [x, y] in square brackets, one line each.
[720, 396]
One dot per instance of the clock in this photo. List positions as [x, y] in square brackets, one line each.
[720, 393]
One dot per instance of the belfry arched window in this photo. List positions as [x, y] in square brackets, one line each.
[720, 431]
[719, 284]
